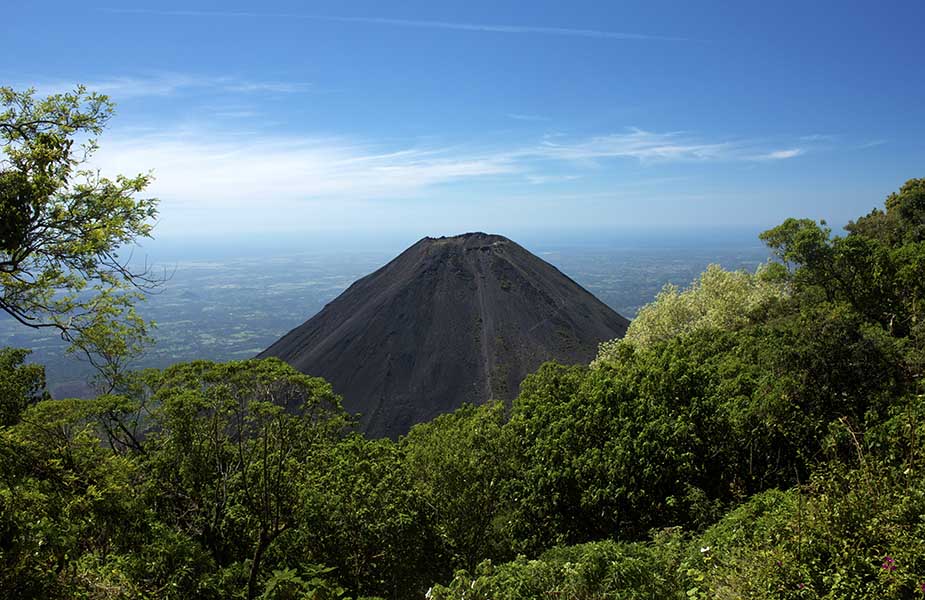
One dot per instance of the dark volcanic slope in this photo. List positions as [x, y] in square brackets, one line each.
[450, 320]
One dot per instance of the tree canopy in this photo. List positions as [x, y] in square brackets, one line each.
[63, 226]
[718, 299]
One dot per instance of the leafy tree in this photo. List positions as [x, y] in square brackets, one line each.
[876, 269]
[459, 461]
[230, 446]
[903, 221]
[675, 433]
[66, 504]
[550, 428]
[720, 299]
[844, 533]
[289, 584]
[617, 451]
[21, 385]
[62, 226]
[607, 569]
[362, 514]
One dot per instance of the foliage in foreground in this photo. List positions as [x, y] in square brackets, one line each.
[850, 531]
[209, 471]
[633, 570]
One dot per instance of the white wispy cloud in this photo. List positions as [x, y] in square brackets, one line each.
[168, 84]
[526, 117]
[818, 137]
[242, 113]
[276, 87]
[478, 27]
[833, 141]
[649, 146]
[636, 143]
[207, 167]
[215, 167]
[547, 179]
[516, 29]
[783, 154]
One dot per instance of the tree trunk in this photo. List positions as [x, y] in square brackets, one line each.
[263, 541]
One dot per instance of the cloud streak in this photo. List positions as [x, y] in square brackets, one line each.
[213, 167]
[212, 178]
[652, 147]
[425, 24]
[526, 117]
[209, 168]
[783, 154]
[169, 84]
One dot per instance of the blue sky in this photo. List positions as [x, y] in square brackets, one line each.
[432, 118]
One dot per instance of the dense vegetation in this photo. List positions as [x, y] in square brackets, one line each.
[755, 436]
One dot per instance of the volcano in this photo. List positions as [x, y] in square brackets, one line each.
[450, 320]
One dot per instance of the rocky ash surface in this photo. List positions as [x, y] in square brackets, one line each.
[450, 320]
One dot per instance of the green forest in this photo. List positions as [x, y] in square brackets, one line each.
[755, 435]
